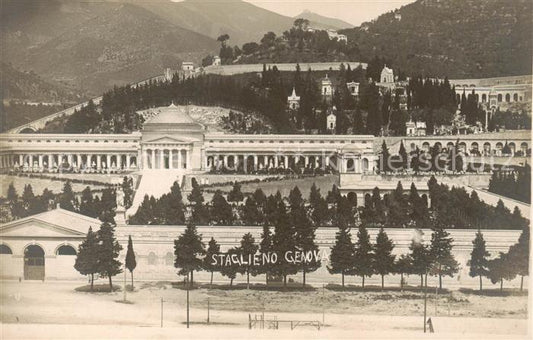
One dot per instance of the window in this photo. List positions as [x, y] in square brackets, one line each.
[66, 250]
[5, 250]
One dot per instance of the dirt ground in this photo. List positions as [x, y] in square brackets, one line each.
[341, 314]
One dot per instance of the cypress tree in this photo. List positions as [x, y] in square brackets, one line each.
[200, 213]
[383, 258]
[188, 252]
[87, 256]
[131, 263]
[250, 212]
[235, 195]
[283, 242]
[67, 198]
[478, 259]
[265, 247]
[420, 258]
[519, 255]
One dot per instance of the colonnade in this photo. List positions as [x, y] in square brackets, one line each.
[82, 162]
[166, 158]
[256, 162]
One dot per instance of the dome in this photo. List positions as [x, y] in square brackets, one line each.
[172, 115]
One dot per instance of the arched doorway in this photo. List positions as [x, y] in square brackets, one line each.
[33, 263]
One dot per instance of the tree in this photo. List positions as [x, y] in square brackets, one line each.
[403, 267]
[384, 158]
[200, 213]
[403, 156]
[232, 269]
[500, 269]
[108, 252]
[247, 250]
[304, 232]
[131, 263]
[87, 256]
[479, 259]
[420, 257]
[342, 253]
[250, 212]
[441, 255]
[221, 211]
[12, 195]
[188, 252]
[213, 249]
[265, 247]
[283, 242]
[235, 195]
[127, 189]
[383, 258]
[172, 208]
[363, 256]
[519, 255]
[67, 198]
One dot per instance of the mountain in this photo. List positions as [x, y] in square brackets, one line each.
[323, 22]
[94, 45]
[21, 86]
[455, 38]
[242, 21]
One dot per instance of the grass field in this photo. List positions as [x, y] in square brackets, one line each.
[39, 184]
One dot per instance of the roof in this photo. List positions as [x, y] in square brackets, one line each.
[59, 218]
[171, 115]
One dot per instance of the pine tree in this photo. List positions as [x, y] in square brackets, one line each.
[478, 260]
[188, 252]
[213, 249]
[420, 258]
[108, 252]
[500, 269]
[131, 263]
[363, 256]
[519, 255]
[403, 267]
[232, 269]
[247, 249]
[342, 253]
[221, 211]
[383, 258]
[441, 255]
[87, 256]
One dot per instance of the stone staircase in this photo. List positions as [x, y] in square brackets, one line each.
[154, 183]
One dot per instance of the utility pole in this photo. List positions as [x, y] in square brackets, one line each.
[161, 312]
[187, 307]
[425, 300]
[207, 310]
[124, 281]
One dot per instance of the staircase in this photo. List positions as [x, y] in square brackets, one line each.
[154, 183]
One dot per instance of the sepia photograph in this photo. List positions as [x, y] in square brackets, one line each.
[265, 169]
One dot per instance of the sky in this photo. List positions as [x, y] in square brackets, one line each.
[354, 12]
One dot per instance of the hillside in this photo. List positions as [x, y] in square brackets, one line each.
[22, 86]
[323, 22]
[243, 21]
[457, 38]
[95, 45]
